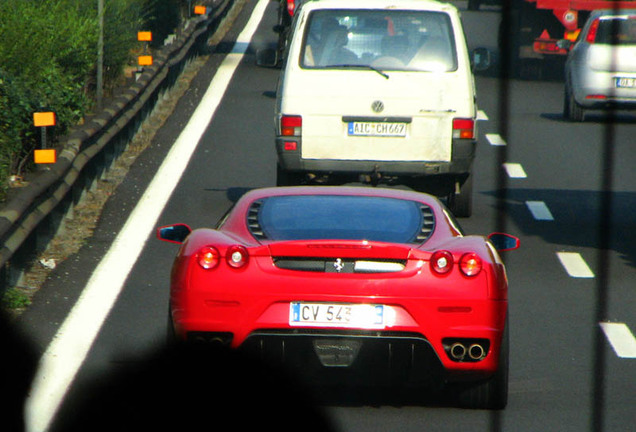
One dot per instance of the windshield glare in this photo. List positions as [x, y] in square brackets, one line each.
[379, 39]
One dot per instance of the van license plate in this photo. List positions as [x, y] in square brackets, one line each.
[622, 82]
[380, 129]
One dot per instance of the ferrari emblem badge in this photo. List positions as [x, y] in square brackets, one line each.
[338, 265]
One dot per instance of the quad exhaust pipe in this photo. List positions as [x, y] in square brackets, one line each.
[476, 352]
[458, 351]
[461, 351]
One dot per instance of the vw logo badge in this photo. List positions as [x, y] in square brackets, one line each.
[377, 106]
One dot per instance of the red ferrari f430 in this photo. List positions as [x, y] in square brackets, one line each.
[349, 283]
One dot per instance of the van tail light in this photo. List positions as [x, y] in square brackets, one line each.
[441, 262]
[291, 5]
[470, 264]
[591, 34]
[291, 125]
[237, 256]
[464, 128]
[208, 257]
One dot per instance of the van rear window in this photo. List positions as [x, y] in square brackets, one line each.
[380, 39]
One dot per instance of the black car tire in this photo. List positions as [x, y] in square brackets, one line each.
[171, 336]
[473, 5]
[572, 110]
[493, 392]
[461, 204]
[287, 178]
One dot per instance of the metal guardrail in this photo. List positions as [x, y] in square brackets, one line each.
[29, 220]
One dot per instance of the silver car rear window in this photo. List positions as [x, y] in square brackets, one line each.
[617, 31]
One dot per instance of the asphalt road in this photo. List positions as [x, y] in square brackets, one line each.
[567, 190]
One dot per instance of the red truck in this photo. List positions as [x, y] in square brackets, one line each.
[533, 27]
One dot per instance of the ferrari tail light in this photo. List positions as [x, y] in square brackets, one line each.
[591, 34]
[237, 256]
[441, 262]
[208, 257]
[470, 264]
[464, 128]
[291, 125]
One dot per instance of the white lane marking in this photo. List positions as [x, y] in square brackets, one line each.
[575, 265]
[66, 353]
[495, 140]
[481, 116]
[621, 339]
[514, 170]
[539, 210]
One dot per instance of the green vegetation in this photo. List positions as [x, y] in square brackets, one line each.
[48, 58]
[13, 298]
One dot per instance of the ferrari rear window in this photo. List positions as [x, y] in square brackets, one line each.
[315, 217]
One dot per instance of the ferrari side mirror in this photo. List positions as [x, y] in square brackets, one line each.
[503, 241]
[176, 233]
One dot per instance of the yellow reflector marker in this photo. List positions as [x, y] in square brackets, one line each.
[571, 35]
[144, 36]
[145, 60]
[45, 156]
[43, 119]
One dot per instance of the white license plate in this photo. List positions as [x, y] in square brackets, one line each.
[336, 315]
[622, 82]
[381, 129]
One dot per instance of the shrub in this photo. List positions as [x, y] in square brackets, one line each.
[48, 61]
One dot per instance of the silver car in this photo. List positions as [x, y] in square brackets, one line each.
[600, 71]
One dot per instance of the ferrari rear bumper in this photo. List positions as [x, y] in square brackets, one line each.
[357, 358]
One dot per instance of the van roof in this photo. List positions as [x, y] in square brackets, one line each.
[431, 5]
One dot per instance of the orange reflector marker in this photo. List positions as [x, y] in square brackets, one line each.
[199, 10]
[144, 60]
[571, 35]
[144, 36]
[45, 156]
[43, 119]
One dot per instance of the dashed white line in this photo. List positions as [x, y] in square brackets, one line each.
[481, 116]
[495, 140]
[514, 170]
[539, 210]
[621, 339]
[575, 265]
[618, 335]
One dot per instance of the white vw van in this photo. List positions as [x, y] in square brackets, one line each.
[378, 91]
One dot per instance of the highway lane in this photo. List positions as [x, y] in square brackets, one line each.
[554, 316]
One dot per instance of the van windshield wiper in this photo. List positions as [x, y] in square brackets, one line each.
[360, 66]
